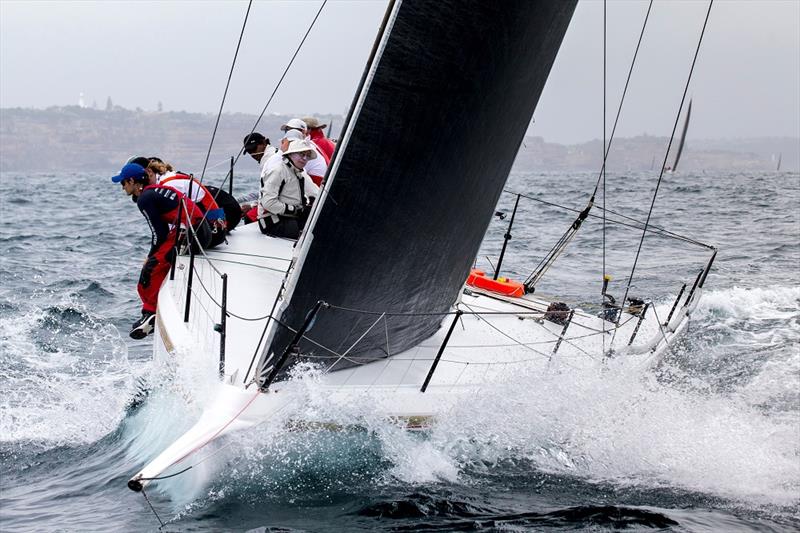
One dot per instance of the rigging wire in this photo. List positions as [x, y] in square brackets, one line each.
[225, 94]
[653, 229]
[666, 156]
[264, 110]
[605, 146]
[285, 72]
[545, 264]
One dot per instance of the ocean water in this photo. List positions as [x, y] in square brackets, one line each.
[708, 440]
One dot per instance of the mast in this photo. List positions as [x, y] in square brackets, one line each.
[421, 163]
[683, 137]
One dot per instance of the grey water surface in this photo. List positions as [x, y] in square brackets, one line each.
[706, 440]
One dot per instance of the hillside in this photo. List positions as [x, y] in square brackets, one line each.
[73, 139]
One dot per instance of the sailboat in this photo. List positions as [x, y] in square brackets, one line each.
[379, 295]
[674, 166]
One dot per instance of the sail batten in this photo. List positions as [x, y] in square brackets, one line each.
[423, 162]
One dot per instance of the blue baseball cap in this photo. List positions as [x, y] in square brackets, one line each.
[131, 170]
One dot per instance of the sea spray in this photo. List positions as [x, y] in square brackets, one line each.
[66, 379]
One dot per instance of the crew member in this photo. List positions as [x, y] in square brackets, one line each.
[258, 147]
[221, 210]
[316, 132]
[162, 173]
[287, 193]
[159, 205]
[317, 167]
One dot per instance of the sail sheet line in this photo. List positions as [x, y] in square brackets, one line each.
[622, 98]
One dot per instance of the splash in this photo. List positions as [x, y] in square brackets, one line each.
[621, 423]
[67, 377]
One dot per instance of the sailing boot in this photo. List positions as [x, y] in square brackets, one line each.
[144, 326]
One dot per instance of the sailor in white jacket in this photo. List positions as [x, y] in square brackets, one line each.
[287, 193]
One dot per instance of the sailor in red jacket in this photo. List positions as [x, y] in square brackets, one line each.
[159, 206]
[316, 133]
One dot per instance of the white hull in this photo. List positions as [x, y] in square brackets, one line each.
[482, 349]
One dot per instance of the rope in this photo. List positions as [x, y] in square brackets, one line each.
[154, 510]
[666, 154]
[507, 335]
[266, 327]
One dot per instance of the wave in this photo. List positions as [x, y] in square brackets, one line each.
[758, 303]
[67, 378]
[621, 427]
[446, 515]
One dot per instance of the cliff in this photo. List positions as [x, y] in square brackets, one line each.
[73, 139]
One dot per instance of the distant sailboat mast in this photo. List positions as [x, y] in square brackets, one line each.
[779, 163]
[683, 137]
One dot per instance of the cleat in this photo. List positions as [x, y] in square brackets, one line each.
[144, 326]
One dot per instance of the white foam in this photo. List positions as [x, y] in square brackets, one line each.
[68, 394]
[618, 423]
[774, 302]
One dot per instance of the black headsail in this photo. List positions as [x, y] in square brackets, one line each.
[422, 162]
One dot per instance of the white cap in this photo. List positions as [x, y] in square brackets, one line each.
[296, 124]
[293, 134]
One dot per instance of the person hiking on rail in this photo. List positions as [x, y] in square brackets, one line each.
[159, 206]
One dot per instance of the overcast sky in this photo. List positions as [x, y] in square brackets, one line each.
[746, 83]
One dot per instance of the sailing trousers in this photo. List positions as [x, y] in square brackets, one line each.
[155, 269]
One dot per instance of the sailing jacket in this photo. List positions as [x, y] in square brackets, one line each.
[200, 195]
[324, 144]
[315, 168]
[159, 205]
[284, 185]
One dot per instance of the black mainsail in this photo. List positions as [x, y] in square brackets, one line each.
[423, 159]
